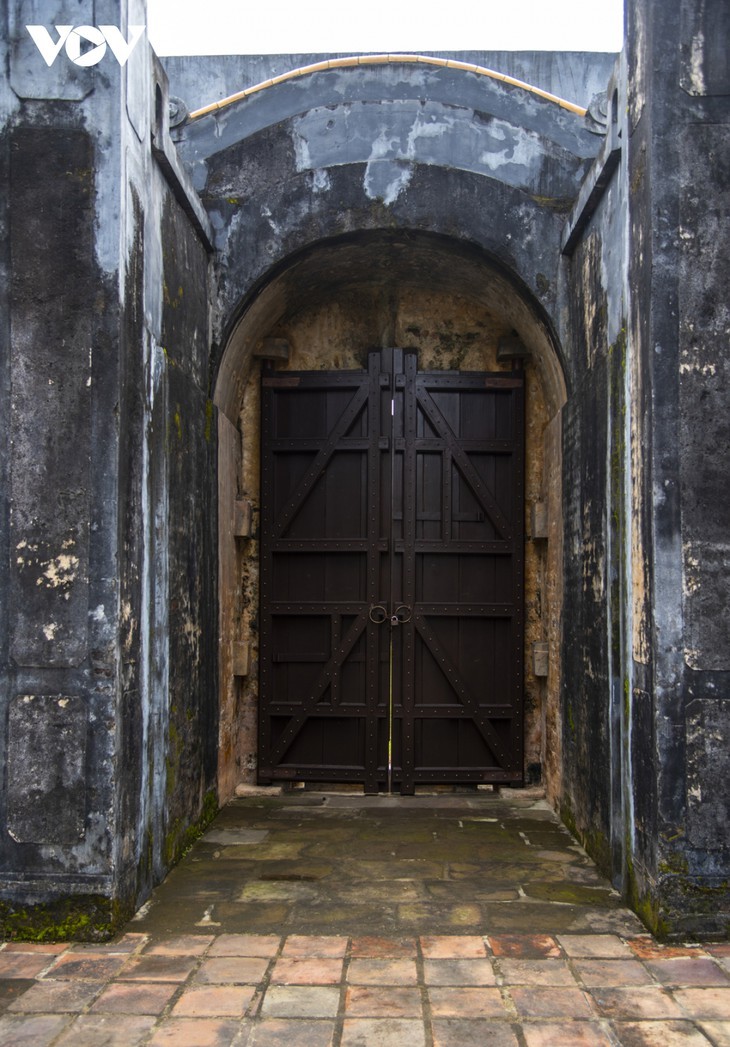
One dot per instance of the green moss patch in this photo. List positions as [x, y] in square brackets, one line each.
[80, 918]
[181, 837]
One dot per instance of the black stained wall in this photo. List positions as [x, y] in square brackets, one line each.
[131, 727]
[594, 472]
[646, 718]
[108, 615]
[646, 757]
[58, 646]
[190, 436]
[168, 523]
[586, 738]
[682, 118]
[108, 624]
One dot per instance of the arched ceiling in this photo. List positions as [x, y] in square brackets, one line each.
[384, 262]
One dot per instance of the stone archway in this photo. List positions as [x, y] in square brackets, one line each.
[323, 309]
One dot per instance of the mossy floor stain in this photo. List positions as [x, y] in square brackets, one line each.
[338, 863]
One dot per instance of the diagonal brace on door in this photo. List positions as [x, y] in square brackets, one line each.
[337, 658]
[461, 461]
[307, 482]
[452, 675]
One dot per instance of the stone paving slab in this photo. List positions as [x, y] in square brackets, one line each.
[525, 990]
[307, 920]
[326, 863]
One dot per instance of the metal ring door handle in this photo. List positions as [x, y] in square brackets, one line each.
[378, 614]
[402, 614]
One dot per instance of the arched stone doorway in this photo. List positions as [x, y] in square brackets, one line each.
[324, 309]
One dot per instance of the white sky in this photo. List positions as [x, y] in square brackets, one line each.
[178, 27]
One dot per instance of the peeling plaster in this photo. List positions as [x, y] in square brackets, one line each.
[275, 227]
[691, 573]
[431, 133]
[521, 148]
[302, 155]
[386, 179]
[320, 181]
[697, 61]
[60, 572]
[695, 366]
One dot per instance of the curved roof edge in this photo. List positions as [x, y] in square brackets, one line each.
[355, 60]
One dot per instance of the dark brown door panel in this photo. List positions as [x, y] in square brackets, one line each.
[391, 575]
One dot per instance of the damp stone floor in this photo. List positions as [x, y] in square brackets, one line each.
[318, 919]
[309, 862]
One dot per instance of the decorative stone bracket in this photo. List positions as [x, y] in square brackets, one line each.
[540, 659]
[539, 522]
[239, 658]
[273, 349]
[242, 518]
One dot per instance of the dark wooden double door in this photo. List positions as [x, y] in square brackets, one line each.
[391, 575]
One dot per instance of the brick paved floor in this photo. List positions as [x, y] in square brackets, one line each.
[248, 990]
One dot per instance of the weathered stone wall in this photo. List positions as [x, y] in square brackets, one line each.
[573, 75]
[59, 645]
[109, 714]
[596, 515]
[642, 829]
[680, 112]
[645, 460]
[187, 446]
[167, 749]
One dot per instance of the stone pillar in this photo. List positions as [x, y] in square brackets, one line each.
[679, 112]
[59, 518]
[107, 579]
